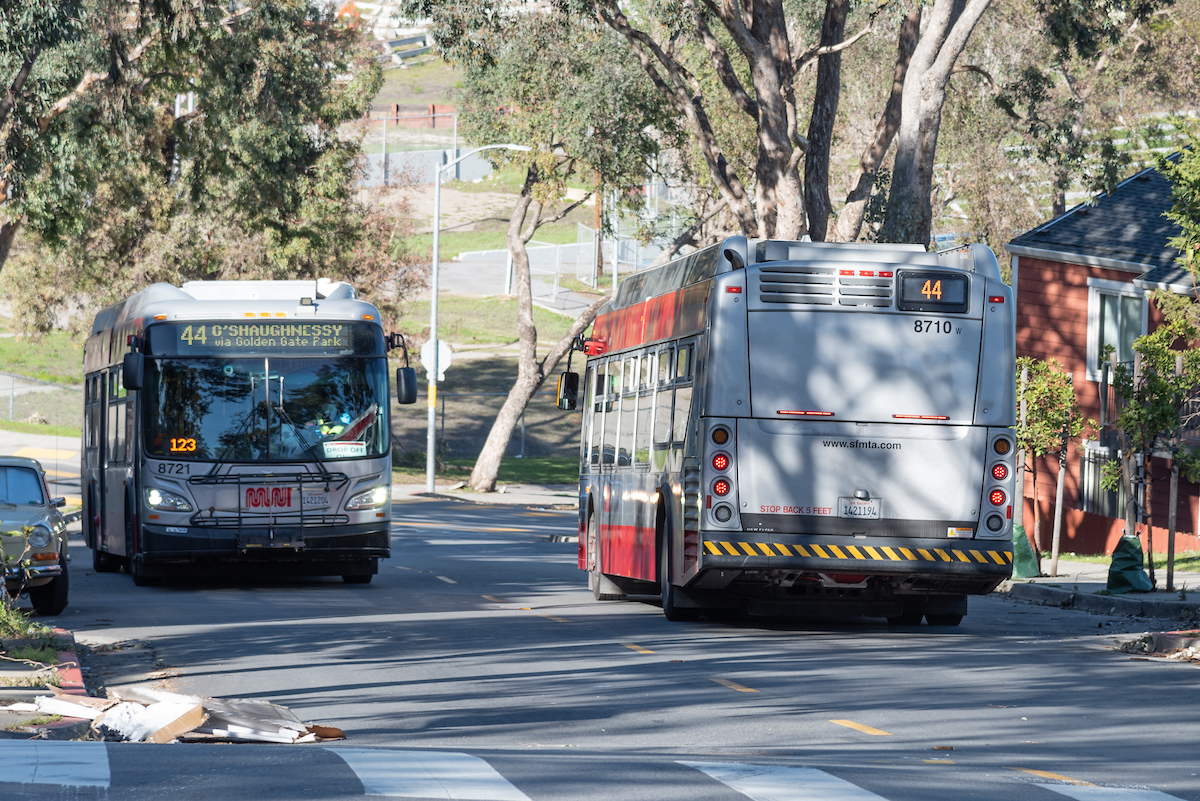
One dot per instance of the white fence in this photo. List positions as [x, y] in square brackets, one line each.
[29, 400]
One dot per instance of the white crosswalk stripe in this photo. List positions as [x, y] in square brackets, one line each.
[1088, 793]
[427, 774]
[62, 763]
[783, 783]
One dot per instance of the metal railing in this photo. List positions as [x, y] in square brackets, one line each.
[31, 400]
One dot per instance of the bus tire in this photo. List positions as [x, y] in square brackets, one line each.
[104, 562]
[138, 572]
[944, 619]
[910, 616]
[51, 599]
[669, 592]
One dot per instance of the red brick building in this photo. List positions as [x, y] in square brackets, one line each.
[1082, 282]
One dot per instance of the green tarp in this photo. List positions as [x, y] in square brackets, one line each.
[1024, 562]
[1126, 573]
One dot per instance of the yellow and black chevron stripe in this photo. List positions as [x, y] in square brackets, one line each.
[859, 552]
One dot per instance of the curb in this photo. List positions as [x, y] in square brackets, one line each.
[70, 679]
[1100, 604]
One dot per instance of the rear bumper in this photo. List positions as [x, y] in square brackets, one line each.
[894, 556]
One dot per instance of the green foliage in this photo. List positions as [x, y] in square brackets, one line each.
[1051, 408]
[1184, 174]
[257, 181]
[1153, 400]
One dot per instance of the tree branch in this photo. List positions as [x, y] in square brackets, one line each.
[18, 83]
[560, 348]
[567, 210]
[810, 56]
[724, 68]
[987, 76]
[89, 80]
[688, 237]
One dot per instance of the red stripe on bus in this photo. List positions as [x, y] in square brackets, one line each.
[670, 316]
[628, 551]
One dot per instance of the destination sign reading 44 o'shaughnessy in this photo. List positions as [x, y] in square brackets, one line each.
[211, 339]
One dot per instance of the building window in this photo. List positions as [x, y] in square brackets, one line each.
[1117, 315]
[1092, 497]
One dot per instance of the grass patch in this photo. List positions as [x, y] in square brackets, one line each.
[421, 82]
[57, 357]
[530, 470]
[1185, 561]
[38, 428]
[16, 625]
[40, 720]
[480, 321]
[453, 243]
[42, 653]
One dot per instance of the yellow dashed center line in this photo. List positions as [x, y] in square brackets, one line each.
[637, 648]
[733, 685]
[850, 724]
[555, 619]
[1056, 776]
[494, 599]
[938, 761]
[447, 580]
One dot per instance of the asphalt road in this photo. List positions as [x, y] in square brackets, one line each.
[478, 666]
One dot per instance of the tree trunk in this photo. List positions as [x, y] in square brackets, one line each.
[530, 374]
[820, 126]
[8, 232]
[910, 210]
[1147, 480]
[849, 222]
[1037, 516]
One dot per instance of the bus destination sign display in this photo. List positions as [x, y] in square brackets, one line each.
[294, 338]
[933, 292]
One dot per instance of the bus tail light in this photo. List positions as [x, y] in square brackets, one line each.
[997, 497]
[721, 487]
[1000, 471]
[804, 413]
[720, 461]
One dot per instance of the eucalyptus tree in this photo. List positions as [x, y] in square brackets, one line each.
[176, 139]
[569, 90]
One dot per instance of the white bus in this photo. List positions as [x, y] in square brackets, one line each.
[791, 427]
[231, 422]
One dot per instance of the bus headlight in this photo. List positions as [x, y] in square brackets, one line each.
[39, 537]
[371, 499]
[166, 501]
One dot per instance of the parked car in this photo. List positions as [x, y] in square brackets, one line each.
[33, 538]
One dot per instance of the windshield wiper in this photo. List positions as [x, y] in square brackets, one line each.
[309, 447]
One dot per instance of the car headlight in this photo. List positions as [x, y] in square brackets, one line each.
[371, 499]
[39, 537]
[166, 501]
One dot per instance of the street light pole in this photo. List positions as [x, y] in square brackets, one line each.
[431, 432]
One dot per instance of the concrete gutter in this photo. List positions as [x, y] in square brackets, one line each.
[1130, 605]
[70, 679]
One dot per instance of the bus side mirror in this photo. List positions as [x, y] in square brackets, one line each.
[568, 391]
[406, 385]
[131, 370]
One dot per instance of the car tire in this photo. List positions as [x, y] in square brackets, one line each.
[51, 599]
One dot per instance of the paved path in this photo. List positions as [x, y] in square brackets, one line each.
[59, 457]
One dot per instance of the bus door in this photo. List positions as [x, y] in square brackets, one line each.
[91, 475]
[112, 483]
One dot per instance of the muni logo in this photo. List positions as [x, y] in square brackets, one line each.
[264, 498]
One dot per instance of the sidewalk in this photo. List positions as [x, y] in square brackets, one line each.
[1082, 585]
[557, 496]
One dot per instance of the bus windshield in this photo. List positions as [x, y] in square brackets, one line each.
[266, 409]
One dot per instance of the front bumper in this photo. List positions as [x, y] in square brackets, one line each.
[896, 556]
[31, 574]
[279, 544]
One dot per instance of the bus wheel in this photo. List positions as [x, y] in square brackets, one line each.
[51, 599]
[910, 616]
[947, 619]
[137, 571]
[668, 591]
[104, 562]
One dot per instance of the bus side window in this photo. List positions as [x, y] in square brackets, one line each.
[641, 447]
[662, 411]
[628, 414]
[683, 393]
[129, 429]
[114, 434]
[589, 418]
[612, 414]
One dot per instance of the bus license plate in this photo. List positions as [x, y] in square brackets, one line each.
[855, 508]
[316, 499]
